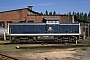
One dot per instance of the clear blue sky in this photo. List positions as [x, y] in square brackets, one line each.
[62, 6]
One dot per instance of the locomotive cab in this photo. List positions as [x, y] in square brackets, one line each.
[51, 20]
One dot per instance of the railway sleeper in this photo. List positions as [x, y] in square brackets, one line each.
[4, 57]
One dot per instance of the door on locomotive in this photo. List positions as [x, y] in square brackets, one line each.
[52, 25]
[52, 29]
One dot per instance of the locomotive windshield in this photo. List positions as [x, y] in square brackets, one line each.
[52, 20]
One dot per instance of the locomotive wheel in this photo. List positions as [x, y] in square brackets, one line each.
[30, 41]
[16, 40]
[58, 40]
[71, 39]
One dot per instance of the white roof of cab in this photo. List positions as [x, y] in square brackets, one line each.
[56, 19]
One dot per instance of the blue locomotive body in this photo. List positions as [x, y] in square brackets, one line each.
[52, 30]
[27, 28]
[42, 28]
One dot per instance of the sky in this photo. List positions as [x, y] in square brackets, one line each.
[60, 6]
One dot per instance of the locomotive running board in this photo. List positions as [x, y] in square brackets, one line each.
[41, 34]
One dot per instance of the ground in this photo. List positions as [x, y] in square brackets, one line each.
[47, 52]
[65, 54]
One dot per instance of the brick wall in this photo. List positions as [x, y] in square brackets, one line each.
[63, 18]
[14, 16]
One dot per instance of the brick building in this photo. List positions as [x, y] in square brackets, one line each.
[28, 15]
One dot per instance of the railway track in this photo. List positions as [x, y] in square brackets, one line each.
[4, 57]
[53, 46]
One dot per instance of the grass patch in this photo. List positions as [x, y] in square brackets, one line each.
[84, 48]
[33, 48]
[10, 48]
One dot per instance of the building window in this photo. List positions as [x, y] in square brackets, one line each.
[30, 13]
[1, 24]
[9, 22]
[22, 21]
[31, 21]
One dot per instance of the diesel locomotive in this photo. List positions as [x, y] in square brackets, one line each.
[50, 30]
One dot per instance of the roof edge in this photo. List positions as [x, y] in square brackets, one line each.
[13, 10]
